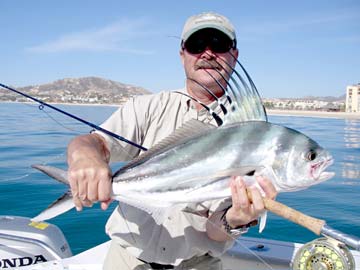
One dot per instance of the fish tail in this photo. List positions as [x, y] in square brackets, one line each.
[55, 173]
[64, 203]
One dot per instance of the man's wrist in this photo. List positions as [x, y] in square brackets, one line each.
[237, 230]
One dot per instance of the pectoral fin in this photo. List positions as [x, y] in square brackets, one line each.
[263, 218]
[58, 207]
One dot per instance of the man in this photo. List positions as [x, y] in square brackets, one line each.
[184, 240]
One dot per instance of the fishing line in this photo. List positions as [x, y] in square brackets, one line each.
[42, 103]
[15, 178]
[42, 108]
[58, 122]
[127, 224]
[261, 260]
[41, 161]
[237, 241]
[33, 172]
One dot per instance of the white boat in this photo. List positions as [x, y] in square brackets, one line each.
[37, 246]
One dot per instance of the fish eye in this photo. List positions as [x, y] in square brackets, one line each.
[311, 155]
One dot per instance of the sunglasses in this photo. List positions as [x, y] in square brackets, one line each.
[215, 40]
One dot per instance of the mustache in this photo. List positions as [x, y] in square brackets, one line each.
[207, 64]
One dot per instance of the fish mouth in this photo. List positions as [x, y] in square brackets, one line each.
[318, 170]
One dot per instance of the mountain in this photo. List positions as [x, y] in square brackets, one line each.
[102, 91]
[79, 90]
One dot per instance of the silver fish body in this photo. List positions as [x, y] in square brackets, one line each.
[198, 168]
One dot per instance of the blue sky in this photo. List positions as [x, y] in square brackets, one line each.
[290, 48]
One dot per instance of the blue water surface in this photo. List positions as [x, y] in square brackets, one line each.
[29, 136]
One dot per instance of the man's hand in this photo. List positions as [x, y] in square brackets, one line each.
[247, 205]
[245, 209]
[89, 173]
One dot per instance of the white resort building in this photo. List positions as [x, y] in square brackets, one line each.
[353, 98]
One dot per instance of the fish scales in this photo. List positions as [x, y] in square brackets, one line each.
[201, 157]
[198, 167]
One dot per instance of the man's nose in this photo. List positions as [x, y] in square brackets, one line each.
[208, 53]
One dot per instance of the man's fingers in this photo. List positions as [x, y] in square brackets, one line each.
[104, 187]
[257, 201]
[90, 181]
[87, 203]
[239, 195]
[77, 203]
[105, 204]
[83, 190]
[92, 191]
[247, 203]
[234, 194]
[267, 187]
[73, 183]
[75, 190]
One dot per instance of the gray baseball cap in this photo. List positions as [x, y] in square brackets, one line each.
[208, 20]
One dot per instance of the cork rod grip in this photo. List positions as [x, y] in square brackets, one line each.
[313, 224]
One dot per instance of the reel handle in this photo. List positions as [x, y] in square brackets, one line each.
[313, 224]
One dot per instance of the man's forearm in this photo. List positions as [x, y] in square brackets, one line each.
[91, 145]
[215, 228]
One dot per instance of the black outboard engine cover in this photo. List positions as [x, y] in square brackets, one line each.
[24, 243]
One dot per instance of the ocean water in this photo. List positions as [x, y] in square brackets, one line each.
[29, 135]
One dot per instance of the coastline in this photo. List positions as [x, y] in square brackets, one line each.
[65, 104]
[319, 114]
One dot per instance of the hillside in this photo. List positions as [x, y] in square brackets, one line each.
[95, 90]
[78, 90]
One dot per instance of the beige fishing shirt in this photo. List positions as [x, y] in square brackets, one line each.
[146, 120]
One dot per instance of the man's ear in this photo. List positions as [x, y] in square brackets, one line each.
[236, 53]
[181, 52]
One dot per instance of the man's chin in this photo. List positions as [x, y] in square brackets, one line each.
[204, 82]
[209, 75]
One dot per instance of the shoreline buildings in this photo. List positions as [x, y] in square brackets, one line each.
[353, 98]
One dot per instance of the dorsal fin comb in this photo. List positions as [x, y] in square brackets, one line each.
[243, 100]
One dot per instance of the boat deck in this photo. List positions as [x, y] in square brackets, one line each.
[248, 254]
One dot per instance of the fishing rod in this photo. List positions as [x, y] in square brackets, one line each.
[326, 253]
[317, 226]
[74, 117]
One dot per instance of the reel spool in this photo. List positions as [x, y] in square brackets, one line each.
[323, 254]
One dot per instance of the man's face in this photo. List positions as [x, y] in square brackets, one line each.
[205, 54]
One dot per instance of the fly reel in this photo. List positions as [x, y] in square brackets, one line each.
[323, 254]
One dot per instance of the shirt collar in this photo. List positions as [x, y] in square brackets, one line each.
[190, 104]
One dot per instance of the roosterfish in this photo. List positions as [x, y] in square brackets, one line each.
[195, 163]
